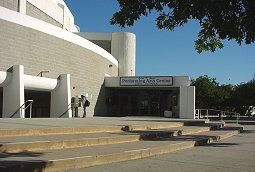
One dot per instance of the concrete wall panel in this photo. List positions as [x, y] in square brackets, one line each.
[35, 12]
[10, 4]
[187, 102]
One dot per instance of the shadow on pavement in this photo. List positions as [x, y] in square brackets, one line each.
[246, 122]
[20, 154]
[221, 144]
[26, 166]
[247, 131]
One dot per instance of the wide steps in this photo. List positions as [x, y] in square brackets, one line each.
[104, 154]
[88, 129]
[50, 142]
[58, 152]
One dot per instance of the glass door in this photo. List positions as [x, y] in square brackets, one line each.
[143, 105]
[155, 105]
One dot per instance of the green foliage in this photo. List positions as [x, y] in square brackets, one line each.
[245, 94]
[209, 94]
[219, 19]
[206, 92]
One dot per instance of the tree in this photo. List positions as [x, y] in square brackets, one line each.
[219, 19]
[225, 93]
[245, 94]
[209, 94]
[206, 92]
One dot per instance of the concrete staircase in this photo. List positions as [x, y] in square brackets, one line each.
[58, 149]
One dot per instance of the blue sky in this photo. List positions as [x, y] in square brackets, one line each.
[162, 52]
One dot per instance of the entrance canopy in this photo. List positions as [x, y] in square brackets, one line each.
[150, 96]
[17, 88]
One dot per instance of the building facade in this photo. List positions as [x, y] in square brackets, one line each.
[45, 58]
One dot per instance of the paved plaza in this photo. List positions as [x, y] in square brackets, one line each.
[234, 154]
[16, 123]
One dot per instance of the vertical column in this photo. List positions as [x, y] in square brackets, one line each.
[13, 94]
[123, 48]
[61, 98]
[187, 102]
[23, 6]
[177, 108]
[62, 6]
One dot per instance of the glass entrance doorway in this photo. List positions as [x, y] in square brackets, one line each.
[149, 105]
[41, 103]
[137, 102]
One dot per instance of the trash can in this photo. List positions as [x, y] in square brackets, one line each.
[75, 102]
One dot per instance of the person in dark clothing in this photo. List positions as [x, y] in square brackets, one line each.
[83, 101]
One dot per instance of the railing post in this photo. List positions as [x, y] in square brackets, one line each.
[30, 109]
[22, 111]
[197, 113]
[222, 113]
[237, 117]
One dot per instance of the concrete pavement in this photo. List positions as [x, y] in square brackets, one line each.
[81, 156]
[17, 123]
[235, 154]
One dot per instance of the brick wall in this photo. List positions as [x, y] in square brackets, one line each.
[38, 51]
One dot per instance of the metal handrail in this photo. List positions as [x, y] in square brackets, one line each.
[220, 114]
[72, 104]
[29, 105]
[66, 110]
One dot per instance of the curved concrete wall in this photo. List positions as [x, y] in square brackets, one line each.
[40, 46]
[55, 9]
[55, 12]
[122, 45]
[123, 48]
[33, 11]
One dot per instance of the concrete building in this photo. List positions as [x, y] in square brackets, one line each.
[45, 59]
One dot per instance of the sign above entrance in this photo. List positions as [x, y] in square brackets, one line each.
[147, 81]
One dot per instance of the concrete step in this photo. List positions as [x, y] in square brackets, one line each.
[59, 160]
[51, 142]
[8, 131]
[88, 129]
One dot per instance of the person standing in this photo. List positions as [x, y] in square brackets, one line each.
[85, 103]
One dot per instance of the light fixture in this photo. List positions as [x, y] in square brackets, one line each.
[44, 71]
